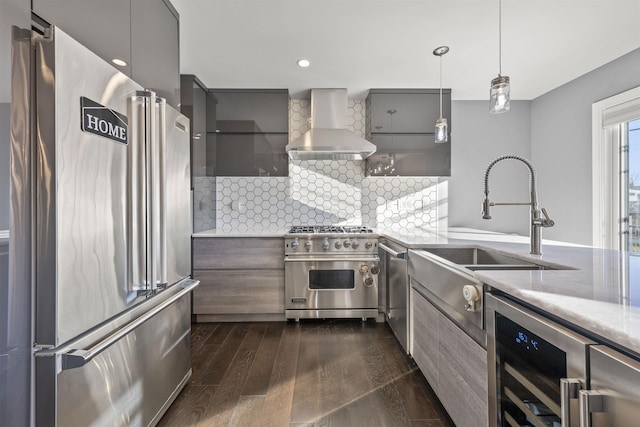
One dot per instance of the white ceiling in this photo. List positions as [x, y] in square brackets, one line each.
[362, 44]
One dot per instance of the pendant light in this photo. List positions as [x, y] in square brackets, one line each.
[500, 101]
[442, 128]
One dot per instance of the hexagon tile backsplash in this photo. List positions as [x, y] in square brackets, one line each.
[320, 192]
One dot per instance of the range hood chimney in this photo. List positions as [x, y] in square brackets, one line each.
[328, 138]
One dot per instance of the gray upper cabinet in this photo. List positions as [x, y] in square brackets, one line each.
[408, 155]
[102, 26]
[400, 122]
[143, 33]
[155, 50]
[195, 103]
[258, 111]
[251, 132]
[407, 110]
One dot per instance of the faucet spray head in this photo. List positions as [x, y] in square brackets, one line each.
[486, 205]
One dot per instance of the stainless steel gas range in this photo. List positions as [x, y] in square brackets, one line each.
[331, 272]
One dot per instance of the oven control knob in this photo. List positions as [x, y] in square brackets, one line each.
[346, 243]
[295, 243]
[367, 245]
[325, 244]
[355, 244]
[338, 245]
[364, 269]
[368, 281]
[307, 245]
[375, 270]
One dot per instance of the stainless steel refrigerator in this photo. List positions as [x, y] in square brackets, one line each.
[100, 180]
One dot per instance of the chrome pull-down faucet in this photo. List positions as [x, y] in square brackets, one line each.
[537, 221]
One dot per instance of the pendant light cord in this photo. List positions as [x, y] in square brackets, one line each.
[440, 86]
[499, 37]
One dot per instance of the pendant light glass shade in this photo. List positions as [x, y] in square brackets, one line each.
[500, 97]
[441, 127]
[500, 94]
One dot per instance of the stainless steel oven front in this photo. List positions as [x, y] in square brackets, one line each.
[333, 286]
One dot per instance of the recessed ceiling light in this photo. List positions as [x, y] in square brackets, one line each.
[119, 62]
[303, 63]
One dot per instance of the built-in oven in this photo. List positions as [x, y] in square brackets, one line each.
[331, 275]
[536, 367]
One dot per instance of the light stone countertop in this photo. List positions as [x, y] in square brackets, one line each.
[240, 232]
[593, 296]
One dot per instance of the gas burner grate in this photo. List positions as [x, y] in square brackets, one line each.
[329, 229]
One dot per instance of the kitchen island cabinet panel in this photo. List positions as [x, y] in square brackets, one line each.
[235, 292]
[425, 346]
[463, 372]
[238, 253]
[452, 362]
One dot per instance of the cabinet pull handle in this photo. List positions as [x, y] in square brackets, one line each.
[569, 389]
[590, 401]
[395, 254]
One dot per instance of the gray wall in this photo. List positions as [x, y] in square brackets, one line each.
[561, 144]
[477, 138]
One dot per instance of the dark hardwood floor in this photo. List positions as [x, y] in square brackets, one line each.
[315, 373]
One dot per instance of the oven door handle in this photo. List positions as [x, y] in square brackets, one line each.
[395, 254]
[331, 259]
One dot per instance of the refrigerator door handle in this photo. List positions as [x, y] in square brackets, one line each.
[76, 358]
[159, 185]
[152, 189]
[137, 196]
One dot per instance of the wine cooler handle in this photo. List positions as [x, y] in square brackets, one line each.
[569, 389]
[590, 401]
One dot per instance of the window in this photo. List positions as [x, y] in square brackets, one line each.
[616, 190]
[616, 171]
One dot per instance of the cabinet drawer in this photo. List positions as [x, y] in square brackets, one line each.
[238, 253]
[239, 292]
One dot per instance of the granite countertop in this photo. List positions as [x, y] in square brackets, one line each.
[593, 295]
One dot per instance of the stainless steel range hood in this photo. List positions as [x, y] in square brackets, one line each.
[329, 138]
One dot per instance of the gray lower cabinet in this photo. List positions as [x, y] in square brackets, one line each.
[454, 364]
[241, 279]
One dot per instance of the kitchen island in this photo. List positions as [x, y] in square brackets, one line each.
[596, 290]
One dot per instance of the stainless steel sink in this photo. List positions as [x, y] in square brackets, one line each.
[485, 259]
[445, 277]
